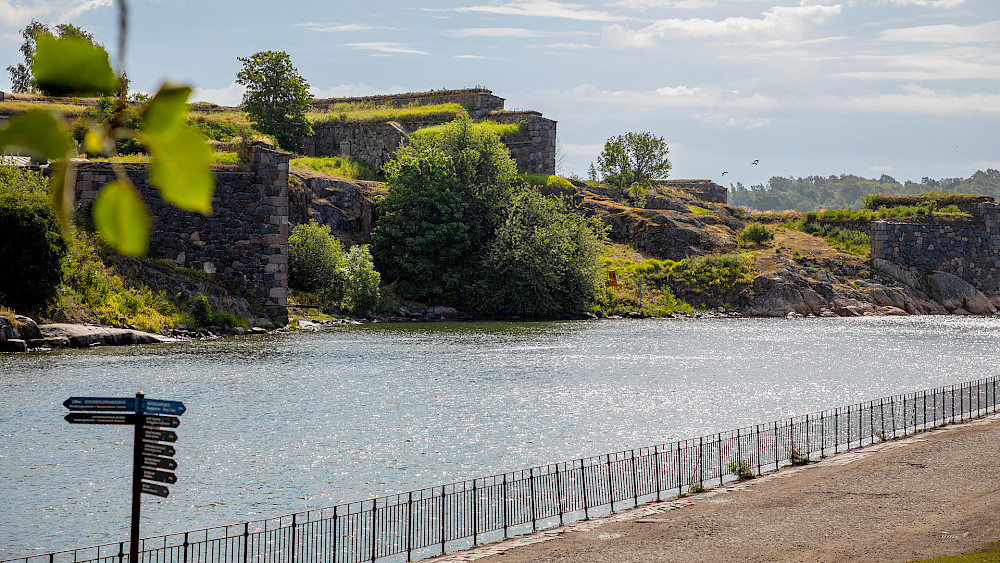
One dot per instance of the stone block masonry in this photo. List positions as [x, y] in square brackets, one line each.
[971, 252]
[243, 242]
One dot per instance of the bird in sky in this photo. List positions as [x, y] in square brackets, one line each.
[756, 162]
[726, 172]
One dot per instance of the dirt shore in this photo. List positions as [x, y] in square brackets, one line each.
[932, 494]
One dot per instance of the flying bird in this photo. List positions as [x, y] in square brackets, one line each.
[726, 172]
[756, 162]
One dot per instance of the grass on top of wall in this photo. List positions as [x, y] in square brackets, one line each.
[371, 113]
[501, 129]
[67, 111]
[337, 166]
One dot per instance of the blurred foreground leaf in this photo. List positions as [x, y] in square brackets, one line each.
[72, 66]
[61, 190]
[121, 218]
[181, 169]
[37, 133]
[166, 110]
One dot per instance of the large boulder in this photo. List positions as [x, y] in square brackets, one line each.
[83, 336]
[955, 293]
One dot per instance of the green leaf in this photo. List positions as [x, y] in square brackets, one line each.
[121, 218]
[181, 168]
[71, 66]
[61, 190]
[37, 133]
[166, 110]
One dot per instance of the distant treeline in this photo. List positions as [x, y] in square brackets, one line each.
[845, 191]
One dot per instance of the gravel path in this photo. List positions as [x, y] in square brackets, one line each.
[935, 493]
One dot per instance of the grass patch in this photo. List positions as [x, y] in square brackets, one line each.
[501, 129]
[219, 129]
[939, 199]
[989, 554]
[698, 210]
[372, 113]
[216, 158]
[67, 111]
[338, 166]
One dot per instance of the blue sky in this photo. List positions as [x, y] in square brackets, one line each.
[907, 88]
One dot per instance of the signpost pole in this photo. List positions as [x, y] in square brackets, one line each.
[133, 554]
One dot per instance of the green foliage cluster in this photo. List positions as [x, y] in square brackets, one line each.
[316, 261]
[426, 135]
[931, 200]
[710, 281]
[374, 113]
[455, 229]
[637, 193]
[851, 241]
[741, 469]
[202, 314]
[22, 75]
[846, 190]
[276, 98]
[319, 268]
[338, 166]
[633, 157]
[755, 234]
[107, 115]
[89, 282]
[444, 204]
[543, 261]
[219, 130]
[32, 245]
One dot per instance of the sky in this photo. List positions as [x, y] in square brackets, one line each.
[908, 88]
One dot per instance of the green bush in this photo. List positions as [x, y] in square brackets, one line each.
[755, 234]
[316, 261]
[710, 281]
[543, 261]
[362, 280]
[32, 245]
[201, 310]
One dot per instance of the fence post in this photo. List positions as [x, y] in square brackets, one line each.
[504, 487]
[292, 555]
[775, 445]
[586, 499]
[372, 533]
[442, 520]
[718, 445]
[559, 494]
[186, 544]
[953, 403]
[892, 413]
[121, 553]
[246, 539]
[756, 439]
[701, 460]
[531, 487]
[635, 481]
[475, 515]
[409, 527]
[656, 468]
[611, 485]
[739, 448]
[808, 441]
[334, 535]
[881, 416]
[679, 482]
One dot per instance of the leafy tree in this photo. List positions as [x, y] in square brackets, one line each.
[276, 97]
[441, 211]
[755, 234]
[362, 280]
[22, 76]
[633, 157]
[33, 246]
[316, 261]
[543, 261]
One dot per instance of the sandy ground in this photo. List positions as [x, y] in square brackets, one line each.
[935, 493]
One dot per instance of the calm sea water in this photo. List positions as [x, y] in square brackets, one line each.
[284, 423]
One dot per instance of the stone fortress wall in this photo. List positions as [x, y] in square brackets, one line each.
[971, 252]
[374, 143]
[244, 242]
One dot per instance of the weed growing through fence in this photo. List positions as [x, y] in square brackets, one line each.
[795, 457]
[741, 469]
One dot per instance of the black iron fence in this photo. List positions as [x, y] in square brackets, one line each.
[458, 515]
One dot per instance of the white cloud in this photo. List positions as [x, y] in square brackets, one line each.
[918, 101]
[495, 32]
[18, 14]
[945, 64]
[473, 57]
[571, 46]
[988, 32]
[387, 47]
[681, 4]
[231, 95]
[779, 21]
[928, 3]
[543, 9]
[332, 27]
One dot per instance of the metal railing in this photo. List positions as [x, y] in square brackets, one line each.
[439, 519]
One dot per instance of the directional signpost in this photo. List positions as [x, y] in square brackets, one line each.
[151, 460]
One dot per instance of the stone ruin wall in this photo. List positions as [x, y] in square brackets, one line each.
[478, 101]
[705, 190]
[534, 151]
[971, 252]
[245, 240]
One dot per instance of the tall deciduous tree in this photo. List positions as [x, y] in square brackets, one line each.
[276, 97]
[634, 157]
[22, 77]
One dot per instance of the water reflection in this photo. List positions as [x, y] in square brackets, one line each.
[288, 422]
